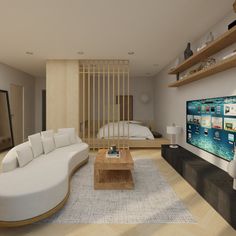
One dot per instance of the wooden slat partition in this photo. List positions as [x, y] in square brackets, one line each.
[100, 82]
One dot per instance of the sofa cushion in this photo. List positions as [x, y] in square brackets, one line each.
[24, 155]
[61, 140]
[47, 134]
[70, 132]
[48, 144]
[36, 144]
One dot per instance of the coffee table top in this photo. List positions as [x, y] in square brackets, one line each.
[125, 162]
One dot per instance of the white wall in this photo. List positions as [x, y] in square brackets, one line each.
[142, 111]
[170, 103]
[40, 84]
[8, 76]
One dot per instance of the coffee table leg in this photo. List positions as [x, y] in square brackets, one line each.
[96, 178]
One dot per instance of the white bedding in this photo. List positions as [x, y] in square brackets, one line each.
[136, 131]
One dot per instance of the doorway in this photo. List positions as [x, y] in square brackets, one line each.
[17, 112]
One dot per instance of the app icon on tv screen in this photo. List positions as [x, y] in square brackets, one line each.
[212, 125]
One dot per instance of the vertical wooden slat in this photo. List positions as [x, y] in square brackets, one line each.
[113, 103]
[94, 105]
[108, 101]
[83, 101]
[118, 73]
[128, 87]
[99, 97]
[89, 107]
[103, 101]
[123, 92]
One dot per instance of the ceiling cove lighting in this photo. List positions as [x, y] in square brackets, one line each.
[29, 53]
[130, 53]
[80, 52]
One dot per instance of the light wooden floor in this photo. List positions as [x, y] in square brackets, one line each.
[209, 222]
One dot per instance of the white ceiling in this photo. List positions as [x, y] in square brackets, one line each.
[156, 30]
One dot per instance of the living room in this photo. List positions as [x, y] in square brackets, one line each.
[117, 118]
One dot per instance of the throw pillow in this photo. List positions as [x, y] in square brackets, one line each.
[48, 145]
[36, 144]
[61, 140]
[47, 133]
[70, 132]
[24, 155]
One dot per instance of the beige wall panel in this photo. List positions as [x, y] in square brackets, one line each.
[72, 94]
[56, 94]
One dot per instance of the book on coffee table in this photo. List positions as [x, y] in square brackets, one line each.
[113, 155]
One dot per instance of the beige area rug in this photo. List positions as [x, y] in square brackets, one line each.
[152, 201]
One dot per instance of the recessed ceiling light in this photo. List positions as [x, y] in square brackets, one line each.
[131, 53]
[29, 53]
[80, 53]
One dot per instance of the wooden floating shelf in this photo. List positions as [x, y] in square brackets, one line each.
[217, 45]
[216, 68]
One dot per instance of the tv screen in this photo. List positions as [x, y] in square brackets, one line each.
[211, 125]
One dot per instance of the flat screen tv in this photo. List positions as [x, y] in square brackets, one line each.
[211, 125]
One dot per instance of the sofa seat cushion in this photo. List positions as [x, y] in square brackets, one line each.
[39, 186]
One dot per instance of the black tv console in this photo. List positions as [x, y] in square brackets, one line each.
[212, 183]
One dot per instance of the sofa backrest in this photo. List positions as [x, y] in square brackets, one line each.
[10, 161]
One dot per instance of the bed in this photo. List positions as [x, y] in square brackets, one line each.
[123, 134]
[132, 130]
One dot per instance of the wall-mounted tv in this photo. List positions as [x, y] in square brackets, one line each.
[211, 125]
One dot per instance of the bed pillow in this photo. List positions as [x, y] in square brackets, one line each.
[61, 140]
[36, 144]
[136, 122]
[24, 155]
[70, 132]
[47, 133]
[48, 145]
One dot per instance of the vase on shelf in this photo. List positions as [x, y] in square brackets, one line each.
[188, 52]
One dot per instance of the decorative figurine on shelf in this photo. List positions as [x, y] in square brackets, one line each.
[233, 24]
[210, 38]
[206, 63]
[188, 52]
[207, 40]
[177, 76]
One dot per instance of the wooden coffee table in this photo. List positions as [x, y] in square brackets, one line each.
[113, 173]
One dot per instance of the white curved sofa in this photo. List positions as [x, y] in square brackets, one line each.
[40, 188]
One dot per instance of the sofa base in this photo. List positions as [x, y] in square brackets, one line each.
[45, 215]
